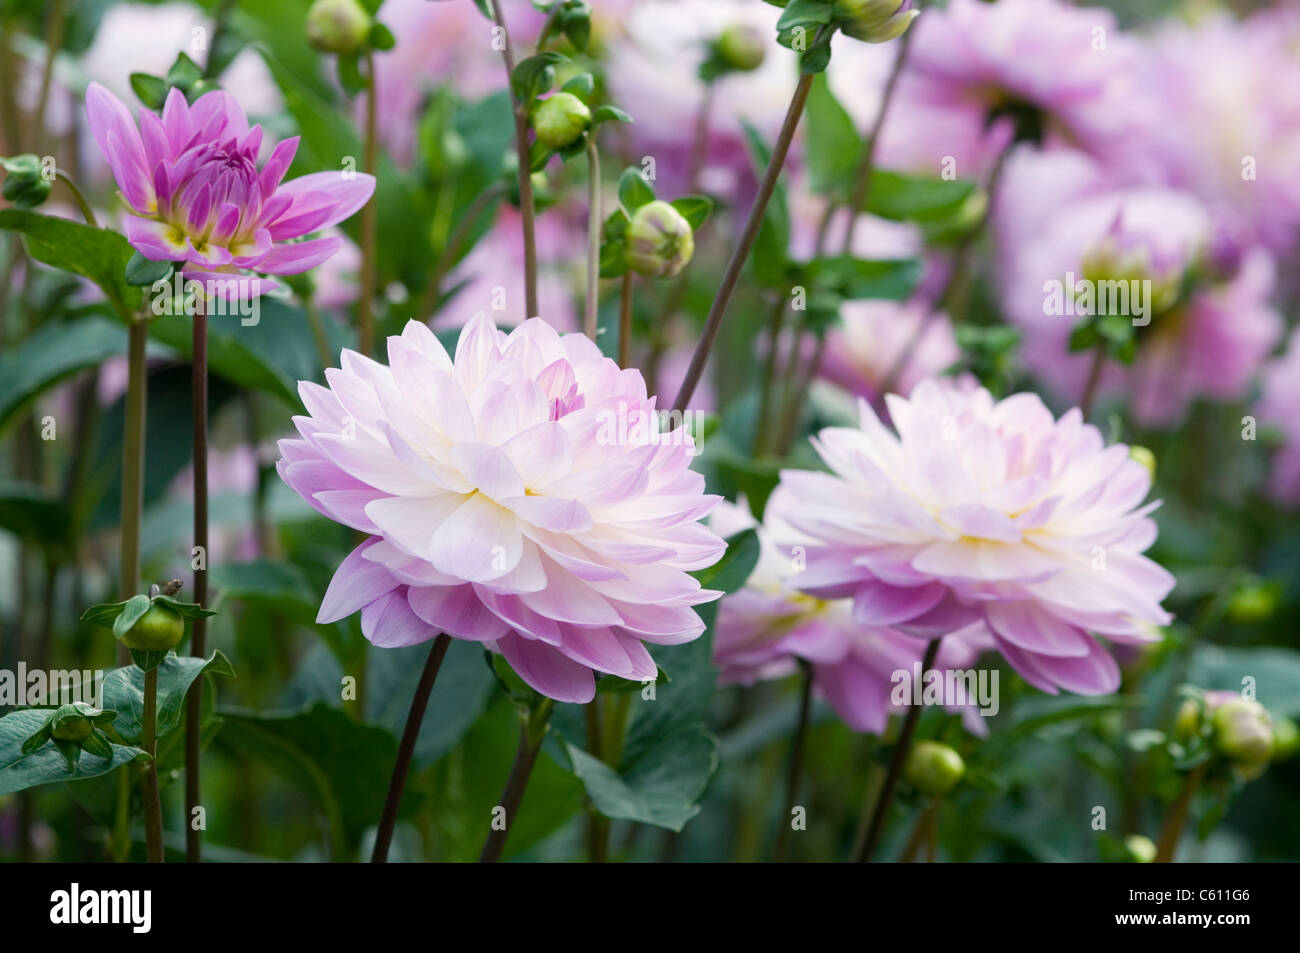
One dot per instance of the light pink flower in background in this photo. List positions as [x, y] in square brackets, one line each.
[521, 496]
[1229, 130]
[864, 349]
[983, 519]
[1278, 406]
[193, 192]
[764, 627]
[1209, 344]
[970, 58]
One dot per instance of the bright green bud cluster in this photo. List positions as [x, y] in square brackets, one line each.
[660, 242]
[933, 768]
[26, 185]
[560, 120]
[337, 26]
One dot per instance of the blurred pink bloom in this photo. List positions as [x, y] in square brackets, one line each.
[970, 60]
[764, 627]
[983, 519]
[1210, 343]
[1278, 406]
[873, 335]
[521, 496]
[1229, 130]
[194, 193]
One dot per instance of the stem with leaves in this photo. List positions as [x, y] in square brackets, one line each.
[533, 725]
[526, 208]
[414, 718]
[896, 760]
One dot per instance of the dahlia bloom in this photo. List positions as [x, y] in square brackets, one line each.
[1277, 406]
[1207, 339]
[983, 519]
[971, 60]
[861, 353]
[193, 192]
[522, 496]
[766, 625]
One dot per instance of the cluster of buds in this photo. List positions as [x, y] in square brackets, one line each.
[1238, 730]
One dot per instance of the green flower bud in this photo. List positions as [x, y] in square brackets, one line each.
[741, 47]
[933, 768]
[1187, 723]
[1253, 602]
[1145, 457]
[1286, 739]
[25, 185]
[74, 727]
[1243, 732]
[875, 21]
[337, 26]
[1141, 850]
[159, 629]
[660, 242]
[560, 120]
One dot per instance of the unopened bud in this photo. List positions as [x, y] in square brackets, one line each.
[560, 120]
[933, 768]
[159, 629]
[1141, 850]
[1145, 457]
[875, 21]
[337, 26]
[24, 185]
[660, 242]
[742, 47]
[1243, 732]
[1253, 601]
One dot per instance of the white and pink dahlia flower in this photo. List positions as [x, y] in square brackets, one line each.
[522, 495]
[984, 518]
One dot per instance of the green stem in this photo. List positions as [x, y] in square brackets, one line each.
[896, 760]
[597, 823]
[86, 212]
[199, 627]
[625, 321]
[747, 237]
[133, 440]
[410, 734]
[153, 831]
[796, 759]
[1172, 830]
[526, 208]
[317, 325]
[369, 222]
[593, 238]
[533, 726]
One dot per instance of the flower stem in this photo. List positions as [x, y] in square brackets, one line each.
[593, 238]
[1094, 379]
[796, 760]
[597, 823]
[747, 237]
[149, 788]
[625, 321]
[895, 770]
[533, 726]
[369, 223]
[133, 438]
[925, 832]
[414, 718]
[525, 173]
[199, 627]
[1172, 830]
[86, 212]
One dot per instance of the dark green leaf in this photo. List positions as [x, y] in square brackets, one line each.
[606, 113]
[141, 271]
[46, 764]
[633, 189]
[124, 692]
[696, 209]
[95, 253]
[131, 613]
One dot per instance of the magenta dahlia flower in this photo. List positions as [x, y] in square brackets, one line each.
[523, 496]
[983, 518]
[194, 194]
[766, 626]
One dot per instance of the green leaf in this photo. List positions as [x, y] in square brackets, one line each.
[613, 259]
[663, 787]
[123, 690]
[732, 571]
[103, 614]
[141, 271]
[381, 38]
[53, 352]
[580, 85]
[696, 209]
[900, 197]
[616, 226]
[132, 612]
[268, 583]
[184, 73]
[146, 660]
[46, 765]
[187, 610]
[805, 13]
[350, 78]
[834, 146]
[94, 253]
[892, 279]
[617, 685]
[633, 189]
[608, 113]
[150, 90]
[534, 75]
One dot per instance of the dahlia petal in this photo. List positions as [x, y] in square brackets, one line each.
[478, 541]
[878, 604]
[157, 241]
[348, 191]
[1030, 627]
[297, 257]
[458, 611]
[356, 583]
[389, 623]
[548, 670]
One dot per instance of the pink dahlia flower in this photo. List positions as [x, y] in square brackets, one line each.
[194, 194]
[1277, 406]
[983, 519]
[766, 626]
[521, 496]
[973, 60]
